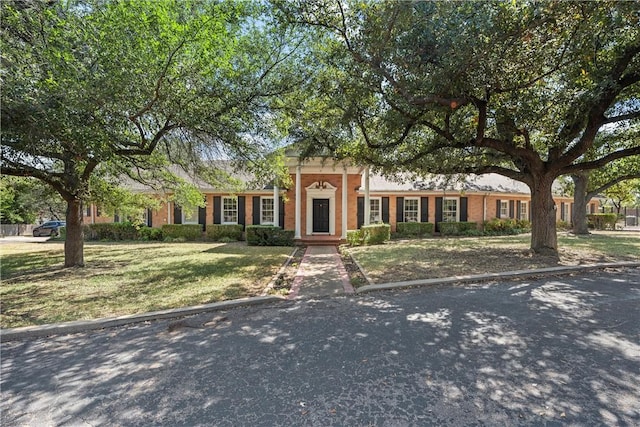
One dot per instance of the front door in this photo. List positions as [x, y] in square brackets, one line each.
[320, 215]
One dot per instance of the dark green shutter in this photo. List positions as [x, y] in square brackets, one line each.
[518, 209]
[241, 210]
[385, 210]
[399, 209]
[562, 211]
[149, 217]
[217, 210]
[177, 214]
[464, 202]
[498, 203]
[256, 210]
[202, 217]
[424, 209]
[438, 212]
[360, 211]
[511, 209]
[281, 213]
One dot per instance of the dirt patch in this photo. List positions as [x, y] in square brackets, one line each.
[284, 281]
[356, 277]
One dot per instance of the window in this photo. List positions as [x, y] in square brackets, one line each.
[504, 209]
[450, 210]
[190, 217]
[266, 211]
[229, 210]
[375, 211]
[98, 211]
[88, 210]
[567, 216]
[523, 214]
[411, 210]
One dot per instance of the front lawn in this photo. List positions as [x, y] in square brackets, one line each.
[128, 278]
[402, 260]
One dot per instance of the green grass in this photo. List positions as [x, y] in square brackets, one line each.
[127, 278]
[402, 260]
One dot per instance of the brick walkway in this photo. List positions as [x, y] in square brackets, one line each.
[321, 273]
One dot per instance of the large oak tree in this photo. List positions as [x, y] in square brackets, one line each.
[99, 89]
[521, 89]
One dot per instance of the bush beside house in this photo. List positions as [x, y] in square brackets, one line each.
[182, 231]
[269, 235]
[219, 232]
[602, 221]
[415, 229]
[375, 234]
[457, 228]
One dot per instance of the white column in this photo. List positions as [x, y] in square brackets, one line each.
[169, 213]
[344, 203]
[367, 203]
[276, 206]
[298, 203]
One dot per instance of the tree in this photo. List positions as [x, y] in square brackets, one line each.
[588, 184]
[622, 193]
[100, 89]
[25, 201]
[521, 89]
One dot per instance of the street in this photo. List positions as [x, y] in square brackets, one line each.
[554, 351]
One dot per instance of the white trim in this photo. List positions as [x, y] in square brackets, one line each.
[526, 210]
[457, 199]
[261, 211]
[321, 190]
[345, 180]
[379, 199]
[276, 206]
[506, 203]
[404, 209]
[298, 204]
[367, 198]
[184, 221]
[222, 199]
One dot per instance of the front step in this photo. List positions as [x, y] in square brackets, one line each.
[319, 241]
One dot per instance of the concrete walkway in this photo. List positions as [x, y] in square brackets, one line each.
[321, 273]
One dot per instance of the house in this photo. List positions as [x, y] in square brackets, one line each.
[329, 197]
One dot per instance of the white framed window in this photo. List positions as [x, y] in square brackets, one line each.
[450, 210]
[190, 217]
[229, 210]
[375, 210]
[266, 211]
[524, 213]
[567, 216]
[504, 209]
[411, 210]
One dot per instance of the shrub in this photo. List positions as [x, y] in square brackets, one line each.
[602, 221]
[415, 229]
[354, 237]
[112, 231]
[456, 228]
[150, 233]
[182, 231]
[506, 226]
[562, 225]
[269, 235]
[375, 234]
[219, 232]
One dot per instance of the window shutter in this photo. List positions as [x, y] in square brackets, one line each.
[438, 212]
[360, 211]
[385, 210]
[464, 203]
[116, 218]
[241, 210]
[498, 203]
[177, 214]
[518, 209]
[217, 210]
[570, 213]
[593, 208]
[424, 209]
[149, 217]
[562, 211]
[281, 213]
[202, 217]
[511, 209]
[530, 210]
[256, 210]
[400, 209]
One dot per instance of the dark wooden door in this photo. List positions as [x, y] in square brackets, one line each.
[320, 215]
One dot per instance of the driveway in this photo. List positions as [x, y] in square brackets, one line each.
[558, 351]
[23, 239]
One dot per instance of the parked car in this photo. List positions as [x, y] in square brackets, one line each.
[49, 228]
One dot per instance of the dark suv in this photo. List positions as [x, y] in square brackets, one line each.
[49, 228]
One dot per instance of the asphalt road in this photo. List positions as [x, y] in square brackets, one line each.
[557, 351]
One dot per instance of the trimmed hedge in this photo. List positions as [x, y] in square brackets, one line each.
[506, 226]
[182, 231]
[354, 237]
[602, 221]
[457, 228]
[150, 233]
[111, 231]
[224, 232]
[375, 234]
[268, 235]
[415, 229]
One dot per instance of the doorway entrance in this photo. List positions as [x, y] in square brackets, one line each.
[320, 215]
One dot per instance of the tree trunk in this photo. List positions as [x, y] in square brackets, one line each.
[580, 200]
[544, 239]
[74, 243]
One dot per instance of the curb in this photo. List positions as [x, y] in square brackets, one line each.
[492, 276]
[109, 322]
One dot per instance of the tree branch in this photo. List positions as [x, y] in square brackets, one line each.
[610, 184]
[603, 161]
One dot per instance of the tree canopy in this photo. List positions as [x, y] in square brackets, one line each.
[97, 89]
[516, 88]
